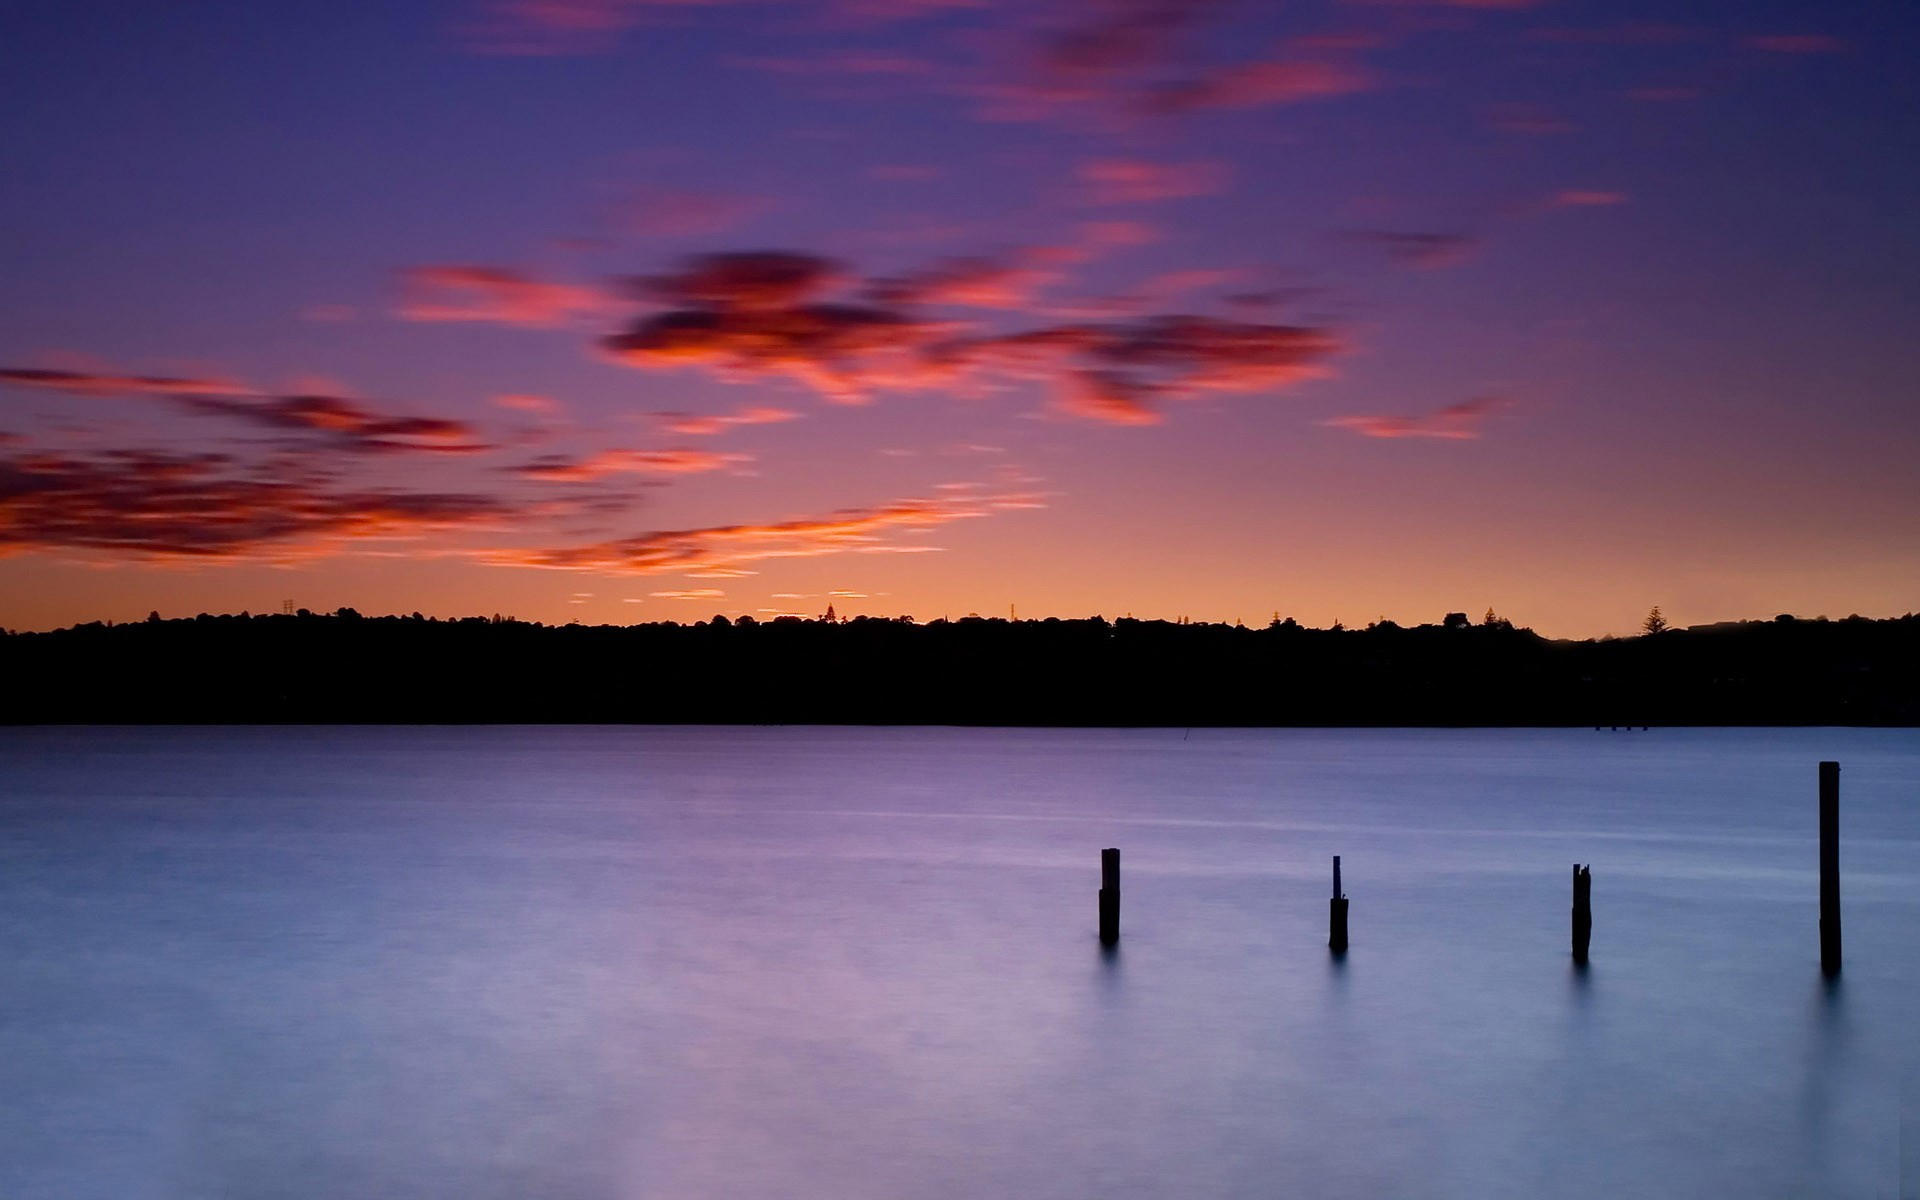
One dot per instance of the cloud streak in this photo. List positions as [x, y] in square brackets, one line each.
[696, 425]
[344, 423]
[84, 383]
[495, 295]
[727, 547]
[563, 469]
[1455, 422]
[205, 507]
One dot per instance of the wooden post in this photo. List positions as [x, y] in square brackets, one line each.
[1830, 867]
[1337, 914]
[1582, 912]
[1109, 896]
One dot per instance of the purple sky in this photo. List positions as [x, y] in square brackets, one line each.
[613, 311]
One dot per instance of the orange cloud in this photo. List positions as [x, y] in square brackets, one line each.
[1119, 372]
[765, 313]
[349, 425]
[167, 506]
[560, 469]
[492, 294]
[1455, 422]
[728, 546]
[82, 383]
[968, 282]
[689, 425]
[527, 403]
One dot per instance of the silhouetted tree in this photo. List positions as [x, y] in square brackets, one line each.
[1655, 623]
[1455, 621]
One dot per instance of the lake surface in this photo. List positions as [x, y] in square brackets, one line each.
[600, 962]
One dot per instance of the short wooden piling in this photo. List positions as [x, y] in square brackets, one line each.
[1109, 896]
[1830, 868]
[1337, 914]
[1582, 912]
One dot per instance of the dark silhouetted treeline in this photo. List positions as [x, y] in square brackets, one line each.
[349, 668]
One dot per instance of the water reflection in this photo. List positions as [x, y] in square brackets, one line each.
[461, 962]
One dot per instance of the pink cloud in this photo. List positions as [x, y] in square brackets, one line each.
[1250, 85]
[1422, 251]
[1455, 422]
[205, 507]
[769, 313]
[969, 282]
[85, 383]
[1136, 181]
[346, 424]
[521, 402]
[492, 294]
[689, 425]
[668, 212]
[562, 469]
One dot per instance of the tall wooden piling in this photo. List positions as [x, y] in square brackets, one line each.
[1109, 896]
[1337, 914]
[1582, 912]
[1830, 867]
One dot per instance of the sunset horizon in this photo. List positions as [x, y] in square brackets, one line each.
[614, 311]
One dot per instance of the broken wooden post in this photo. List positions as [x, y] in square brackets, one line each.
[1337, 914]
[1109, 896]
[1582, 912]
[1830, 867]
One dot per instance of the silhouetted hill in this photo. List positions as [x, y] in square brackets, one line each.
[348, 668]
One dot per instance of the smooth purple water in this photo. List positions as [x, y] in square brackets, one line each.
[417, 964]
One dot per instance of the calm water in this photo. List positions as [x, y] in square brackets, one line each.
[844, 963]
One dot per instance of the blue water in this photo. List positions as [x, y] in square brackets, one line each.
[850, 963]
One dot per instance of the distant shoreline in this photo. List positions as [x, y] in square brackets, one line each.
[348, 669]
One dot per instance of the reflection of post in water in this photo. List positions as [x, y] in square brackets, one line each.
[1582, 911]
[1830, 867]
[1337, 914]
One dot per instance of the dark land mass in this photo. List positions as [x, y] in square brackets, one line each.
[348, 668]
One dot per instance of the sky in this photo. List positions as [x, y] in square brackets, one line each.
[637, 310]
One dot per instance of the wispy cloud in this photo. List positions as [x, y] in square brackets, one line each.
[84, 383]
[1421, 250]
[1139, 181]
[1251, 85]
[658, 212]
[346, 424]
[1455, 422]
[1583, 198]
[207, 507]
[496, 295]
[695, 425]
[860, 530]
[563, 469]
